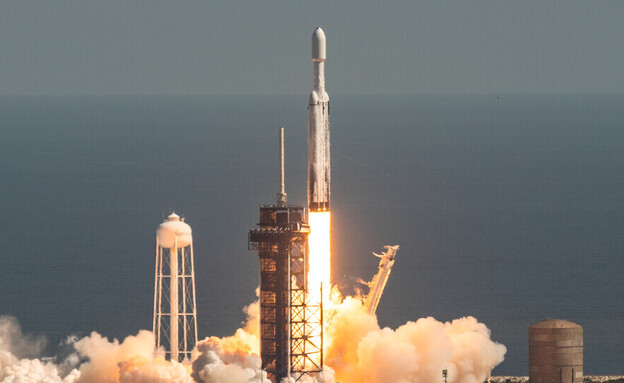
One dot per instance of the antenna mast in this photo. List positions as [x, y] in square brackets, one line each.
[281, 196]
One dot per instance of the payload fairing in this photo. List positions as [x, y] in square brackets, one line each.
[319, 174]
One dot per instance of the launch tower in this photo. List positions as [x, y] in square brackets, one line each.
[175, 318]
[290, 325]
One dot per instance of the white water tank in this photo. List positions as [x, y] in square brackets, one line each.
[174, 233]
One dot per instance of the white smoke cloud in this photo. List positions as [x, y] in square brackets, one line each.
[16, 348]
[14, 341]
[232, 359]
[132, 361]
[30, 371]
[135, 360]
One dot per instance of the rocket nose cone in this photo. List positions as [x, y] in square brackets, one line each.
[318, 45]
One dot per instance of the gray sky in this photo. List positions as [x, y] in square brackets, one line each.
[263, 47]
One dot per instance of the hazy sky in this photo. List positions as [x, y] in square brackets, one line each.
[263, 47]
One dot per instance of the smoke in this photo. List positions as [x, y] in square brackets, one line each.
[232, 359]
[95, 359]
[235, 359]
[134, 360]
[357, 350]
[13, 341]
[92, 359]
[16, 348]
[360, 351]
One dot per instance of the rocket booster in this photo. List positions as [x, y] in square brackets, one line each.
[318, 130]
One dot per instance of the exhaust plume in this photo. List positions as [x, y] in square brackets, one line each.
[360, 351]
[357, 350]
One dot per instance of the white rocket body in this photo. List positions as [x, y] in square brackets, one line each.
[319, 175]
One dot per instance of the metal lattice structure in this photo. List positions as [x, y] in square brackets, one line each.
[175, 318]
[291, 327]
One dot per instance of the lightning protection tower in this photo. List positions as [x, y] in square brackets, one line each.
[291, 331]
[175, 318]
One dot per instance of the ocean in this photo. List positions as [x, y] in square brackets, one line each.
[508, 208]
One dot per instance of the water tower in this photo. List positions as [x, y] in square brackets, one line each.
[175, 318]
[555, 352]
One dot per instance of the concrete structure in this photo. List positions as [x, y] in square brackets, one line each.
[555, 352]
[175, 318]
[319, 174]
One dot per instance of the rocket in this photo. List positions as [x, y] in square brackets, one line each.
[318, 130]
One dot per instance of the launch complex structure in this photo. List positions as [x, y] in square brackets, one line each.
[291, 312]
[293, 245]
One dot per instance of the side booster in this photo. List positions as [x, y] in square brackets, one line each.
[318, 130]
